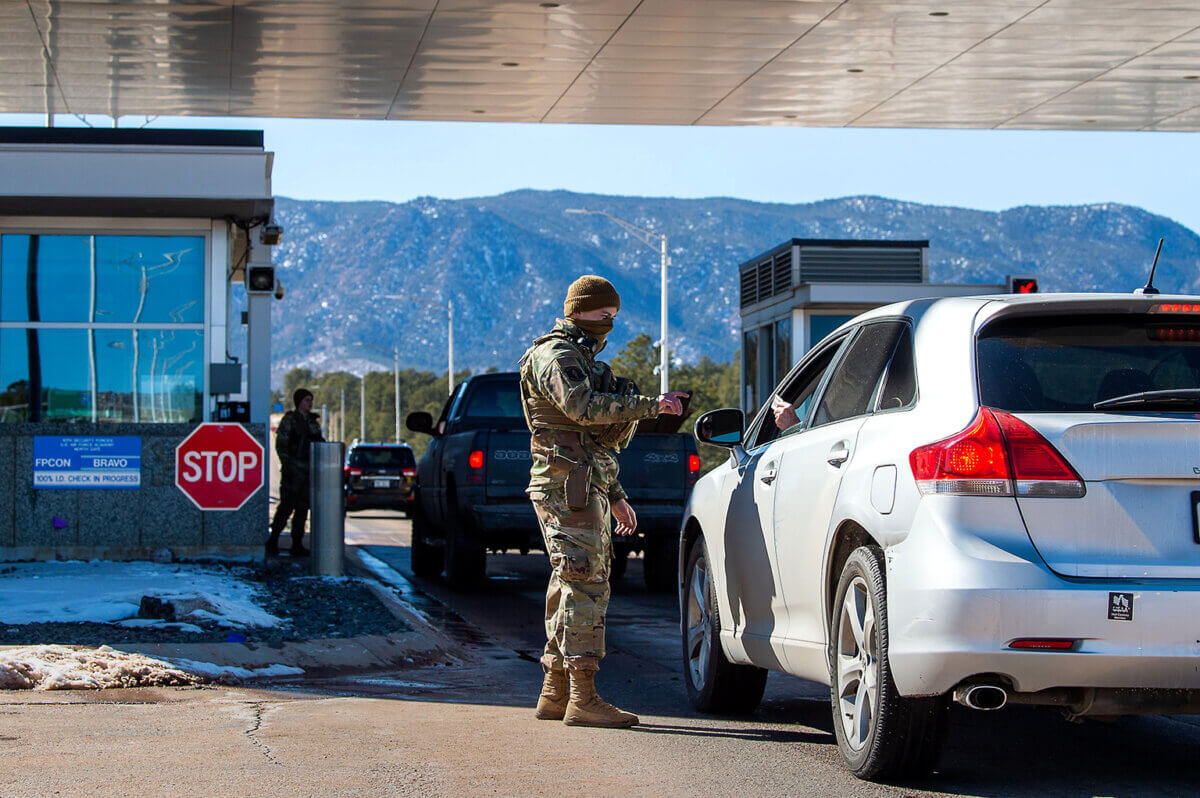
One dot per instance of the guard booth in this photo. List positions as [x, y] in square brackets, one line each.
[795, 294]
[124, 257]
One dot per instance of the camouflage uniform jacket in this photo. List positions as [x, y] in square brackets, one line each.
[578, 413]
[296, 431]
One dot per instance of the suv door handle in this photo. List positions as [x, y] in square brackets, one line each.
[769, 475]
[839, 454]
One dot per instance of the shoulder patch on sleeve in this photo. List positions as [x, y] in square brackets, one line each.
[570, 367]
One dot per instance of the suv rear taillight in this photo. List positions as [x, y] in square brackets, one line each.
[989, 457]
[409, 472]
[1038, 468]
[353, 472]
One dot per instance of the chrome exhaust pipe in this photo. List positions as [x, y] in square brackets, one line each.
[984, 697]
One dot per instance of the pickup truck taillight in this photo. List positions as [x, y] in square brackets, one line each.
[997, 455]
[693, 468]
[475, 461]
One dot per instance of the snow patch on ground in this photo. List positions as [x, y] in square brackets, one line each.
[157, 623]
[219, 671]
[78, 668]
[107, 592]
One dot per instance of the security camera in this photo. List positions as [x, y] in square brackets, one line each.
[279, 290]
[271, 234]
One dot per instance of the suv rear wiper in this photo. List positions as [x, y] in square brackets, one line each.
[1167, 400]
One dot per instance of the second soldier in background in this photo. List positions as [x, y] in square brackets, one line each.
[580, 415]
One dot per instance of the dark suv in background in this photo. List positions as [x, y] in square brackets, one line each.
[380, 475]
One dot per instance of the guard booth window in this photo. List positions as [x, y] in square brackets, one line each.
[750, 371]
[101, 328]
[766, 359]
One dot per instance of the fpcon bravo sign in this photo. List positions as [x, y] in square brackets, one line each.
[219, 466]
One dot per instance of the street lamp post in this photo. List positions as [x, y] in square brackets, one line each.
[449, 332]
[396, 351]
[648, 237]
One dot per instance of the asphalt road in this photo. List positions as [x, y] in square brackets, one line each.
[787, 746]
[465, 726]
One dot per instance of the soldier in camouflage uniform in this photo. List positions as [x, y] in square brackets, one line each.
[296, 431]
[580, 415]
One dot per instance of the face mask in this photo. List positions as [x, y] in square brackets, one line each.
[597, 329]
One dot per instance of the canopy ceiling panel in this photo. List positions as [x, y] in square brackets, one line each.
[1074, 64]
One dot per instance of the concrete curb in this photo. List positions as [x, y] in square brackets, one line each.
[332, 656]
[422, 644]
[382, 574]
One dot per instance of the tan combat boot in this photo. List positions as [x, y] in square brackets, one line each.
[588, 709]
[552, 703]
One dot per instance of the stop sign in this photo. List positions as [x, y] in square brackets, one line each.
[219, 466]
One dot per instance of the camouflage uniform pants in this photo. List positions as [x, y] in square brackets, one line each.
[579, 543]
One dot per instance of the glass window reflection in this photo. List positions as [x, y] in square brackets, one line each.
[145, 375]
[108, 279]
[52, 367]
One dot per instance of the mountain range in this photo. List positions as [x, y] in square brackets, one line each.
[505, 263]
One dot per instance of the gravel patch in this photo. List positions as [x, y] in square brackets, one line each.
[311, 608]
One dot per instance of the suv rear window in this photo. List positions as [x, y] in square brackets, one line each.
[495, 399]
[1068, 363]
[382, 457]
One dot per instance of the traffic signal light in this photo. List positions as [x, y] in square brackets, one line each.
[1022, 285]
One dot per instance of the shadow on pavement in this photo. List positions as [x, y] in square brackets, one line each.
[1016, 751]
[772, 735]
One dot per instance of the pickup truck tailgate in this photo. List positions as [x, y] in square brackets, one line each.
[508, 462]
[655, 467]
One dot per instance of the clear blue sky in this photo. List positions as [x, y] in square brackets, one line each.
[992, 170]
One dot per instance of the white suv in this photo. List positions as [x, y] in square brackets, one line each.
[985, 499]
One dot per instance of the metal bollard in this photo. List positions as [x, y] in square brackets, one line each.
[327, 499]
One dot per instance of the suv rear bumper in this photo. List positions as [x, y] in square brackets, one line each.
[359, 501]
[958, 599]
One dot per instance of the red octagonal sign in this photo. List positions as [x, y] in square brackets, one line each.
[219, 466]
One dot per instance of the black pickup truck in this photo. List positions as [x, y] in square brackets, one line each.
[472, 479]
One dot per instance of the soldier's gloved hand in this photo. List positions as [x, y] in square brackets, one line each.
[671, 404]
[626, 518]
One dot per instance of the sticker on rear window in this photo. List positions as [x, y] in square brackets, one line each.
[1120, 606]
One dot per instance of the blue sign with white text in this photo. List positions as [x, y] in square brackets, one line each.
[87, 462]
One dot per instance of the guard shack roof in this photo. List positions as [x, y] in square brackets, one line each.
[851, 274]
[97, 172]
[1050, 64]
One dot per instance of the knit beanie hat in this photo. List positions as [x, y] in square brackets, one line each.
[590, 292]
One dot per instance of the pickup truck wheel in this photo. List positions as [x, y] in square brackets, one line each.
[881, 735]
[428, 558]
[620, 561]
[660, 562]
[466, 557]
[714, 684]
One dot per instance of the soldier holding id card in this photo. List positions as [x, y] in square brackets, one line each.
[580, 415]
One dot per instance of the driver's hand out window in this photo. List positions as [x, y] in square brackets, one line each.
[785, 414]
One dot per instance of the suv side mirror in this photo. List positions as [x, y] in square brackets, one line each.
[724, 427]
[420, 422]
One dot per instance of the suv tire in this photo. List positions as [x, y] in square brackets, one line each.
[428, 558]
[714, 684]
[881, 735]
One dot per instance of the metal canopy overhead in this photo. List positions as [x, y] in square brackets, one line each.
[1077, 64]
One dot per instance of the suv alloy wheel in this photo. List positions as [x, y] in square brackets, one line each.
[714, 684]
[881, 735]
